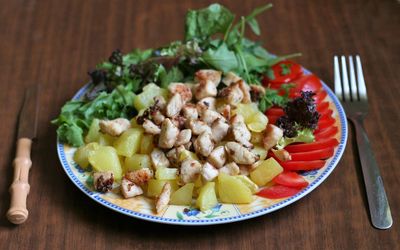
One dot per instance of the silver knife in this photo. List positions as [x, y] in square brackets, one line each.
[19, 189]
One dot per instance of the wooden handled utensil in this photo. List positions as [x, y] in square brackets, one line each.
[19, 189]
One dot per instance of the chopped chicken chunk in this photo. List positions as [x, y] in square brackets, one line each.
[206, 103]
[198, 127]
[256, 92]
[183, 137]
[168, 135]
[240, 131]
[103, 181]
[179, 121]
[246, 91]
[157, 116]
[190, 111]
[190, 170]
[230, 169]
[114, 127]
[209, 116]
[281, 154]
[230, 78]
[205, 89]
[150, 127]
[163, 199]
[140, 176]
[174, 105]
[244, 169]
[158, 159]
[182, 89]
[240, 154]
[219, 129]
[208, 75]
[160, 102]
[129, 189]
[233, 95]
[203, 144]
[217, 157]
[225, 111]
[209, 172]
[272, 135]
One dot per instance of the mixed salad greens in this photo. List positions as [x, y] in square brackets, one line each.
[214, 39]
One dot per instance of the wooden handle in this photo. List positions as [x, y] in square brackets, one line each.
[19, 189]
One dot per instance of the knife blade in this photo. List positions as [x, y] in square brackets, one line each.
[20, 187]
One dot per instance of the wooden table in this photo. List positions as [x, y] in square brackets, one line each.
[54, 44]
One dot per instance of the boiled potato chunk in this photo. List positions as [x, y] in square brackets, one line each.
[183, 196]
[136, 162]
[207, 198]
[154, 187]
[233, 190]
[186, 154]
[105, 158]
[260, 151]
[266, 171]
[166, 173]
[81, 156]
[246, 181]
[106, 140]
[146, 98]
[94, 132]
[129, 142]
[146, 145]
[246, 110]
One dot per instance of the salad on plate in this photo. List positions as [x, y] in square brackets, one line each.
[214, 118]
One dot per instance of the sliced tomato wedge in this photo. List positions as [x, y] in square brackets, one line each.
[303, 147]
[325, 123]
[276, 111]
[326, 133]
[326, 114]
[278, 192]
[284, 72]
[320, 96]
[290, 179]
[313, 155]
[322, 106]
[272, 118]
[302, 165]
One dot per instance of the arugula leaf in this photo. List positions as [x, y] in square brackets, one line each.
[201, 24]
[251, 20]
[173, 75]
[272, 97]
[221, 58]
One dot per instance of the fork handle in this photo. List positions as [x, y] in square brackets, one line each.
[381, 217]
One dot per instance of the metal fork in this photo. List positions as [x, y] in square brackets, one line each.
[353, 95]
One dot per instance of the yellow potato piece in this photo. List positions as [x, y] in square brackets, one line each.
[105, 158]
[81, 155]
[166, 173]
[154, 187]
[246, 181]
[183, 196]
[129, 142]
[266, 171]
[207, 198]
[232, 190]
[106, 140]
[136, 162]
[146, 145]
[246, 110]
[146, 98]
[260, 151]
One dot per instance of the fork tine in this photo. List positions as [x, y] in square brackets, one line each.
[338, 82]
[346, 87]
[353, 83]
[362, 90]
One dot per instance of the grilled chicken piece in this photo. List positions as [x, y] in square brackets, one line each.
[208, 75]
[240, 154]
[206, 103]
[205, 89]
[129, 189]
[256, 92]
[198, 127]
[114, 127]
[139, 177]
[240, 131]
[209, 116]
[244, 170]
[233, 95]
[230, 78]
[203, 144]
[246, 91]
[217, 157]
[209, 172]
[190, 170]
[272, 135]
[163, 199]
[225, 111]
[179, 121]
[174, 106]
[183, 137]
[219, 129]
[160, 102]
[230, 169]
[158, 159]
[168, 135]
[190, 111]
[150, 127]
[182, 89]
[157, 116]
[103, 181]
[281, 154]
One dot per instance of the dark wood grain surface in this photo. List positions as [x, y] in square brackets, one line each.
[54, 44]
